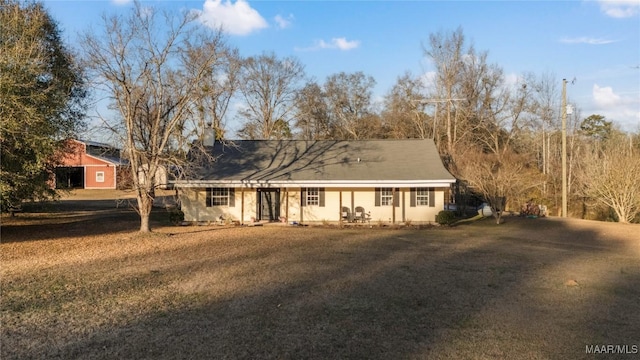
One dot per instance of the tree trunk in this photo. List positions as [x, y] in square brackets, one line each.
[144, 223]
[498, 217]
[622, 215]
[145, 204]
[498, 205]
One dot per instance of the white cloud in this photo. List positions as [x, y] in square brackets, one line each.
[121, 2]
[604, 96]
[513, 79]
[282, 22]
[622, 109]
[428, 80]
[586, 40]
[335, 43]
[344, 44]
[429, 77]
[237, 18]
[620, 8]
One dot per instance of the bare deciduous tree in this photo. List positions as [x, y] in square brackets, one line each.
[152, 65]
[544, 108]
[312, 113]
[499, 178]
[447, 50]
[218, 88]
[269, 87]
[479, 84]
[349, 97]
[404, 114]
[610, 176]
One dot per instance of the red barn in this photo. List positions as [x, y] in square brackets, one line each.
[89, 165]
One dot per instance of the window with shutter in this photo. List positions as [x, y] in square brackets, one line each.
[218, 197]
[423, 197]
[303, 197]
[386, 197]
[313, 197]
[432, 197]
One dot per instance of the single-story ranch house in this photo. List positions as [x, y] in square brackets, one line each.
[298, 181]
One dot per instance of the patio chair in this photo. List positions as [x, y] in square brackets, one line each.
[346, 214]
[359, 215]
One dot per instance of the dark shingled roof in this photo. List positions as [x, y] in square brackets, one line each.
[331, 160]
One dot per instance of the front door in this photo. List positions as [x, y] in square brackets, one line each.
[269, 204]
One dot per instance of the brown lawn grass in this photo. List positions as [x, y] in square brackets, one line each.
[77, 281]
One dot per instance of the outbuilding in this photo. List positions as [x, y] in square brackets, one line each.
[88, 165]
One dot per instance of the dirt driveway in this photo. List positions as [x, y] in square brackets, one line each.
[77, 286]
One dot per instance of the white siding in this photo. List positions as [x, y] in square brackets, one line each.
[250, 205]
[421, 213]
[292, 195]
[195, 209]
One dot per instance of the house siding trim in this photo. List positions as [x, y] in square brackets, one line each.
[292, 210]
[312, 183]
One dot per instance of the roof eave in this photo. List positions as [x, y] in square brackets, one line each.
[311, 183]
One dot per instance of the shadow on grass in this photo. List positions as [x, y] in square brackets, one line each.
[75, 218]
[476, 292]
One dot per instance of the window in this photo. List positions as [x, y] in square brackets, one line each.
[313, 196]
[422, 197]
[217, 197]
[100, 176]
[386, 197]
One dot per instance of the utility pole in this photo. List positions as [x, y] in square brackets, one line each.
[564, 148]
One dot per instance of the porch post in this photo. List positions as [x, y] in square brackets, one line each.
[340, 209]
[197, 191]
[403, 209]
[393, 205]
[242, 205]
[353, 206]
[286, 204]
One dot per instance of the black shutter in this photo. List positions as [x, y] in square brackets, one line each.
[208, 204]
[258, 201]
[432, 197]
[412, 201]
[321, 196]
[396, 197]
[303, 197]
[377, 197]
[232, 197]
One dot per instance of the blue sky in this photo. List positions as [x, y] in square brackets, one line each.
[595, 42]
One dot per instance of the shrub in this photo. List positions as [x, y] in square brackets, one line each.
[445, 217]
[176, 216]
